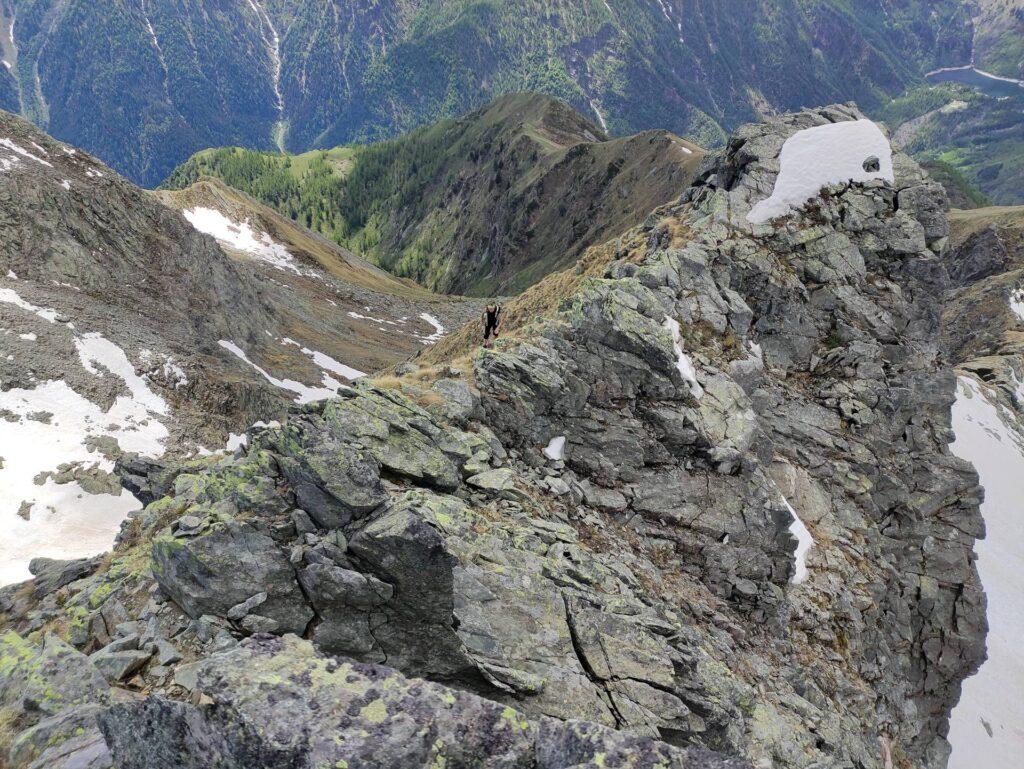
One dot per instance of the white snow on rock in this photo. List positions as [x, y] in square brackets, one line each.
[54, 423]
[240, 236]
[438, 328]
[303, 393]
[1017, 303]
[804, 543]
[555, 450]
[821, 156]
[379, 321]
[10, 296]
[5, 142]
[990, 437]
[326, 362]
[96, 353]
[683, 363]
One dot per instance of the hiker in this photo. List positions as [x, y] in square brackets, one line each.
[491, 318]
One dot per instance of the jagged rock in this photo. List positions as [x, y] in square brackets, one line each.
[500, 480]
[46, 679]
[225, 566]
[51, 696]
[69, 740]
[807, 349]
[333, 483]
[346, 602]
[263, 691]
[245, 607]
[51, 575]
[118, 664]
[459, 402]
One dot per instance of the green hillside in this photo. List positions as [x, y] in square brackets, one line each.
[485, 204]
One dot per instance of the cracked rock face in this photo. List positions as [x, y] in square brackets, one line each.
[643, 583]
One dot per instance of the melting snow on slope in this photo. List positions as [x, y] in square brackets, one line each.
[241, 237]
[988, 723]
[683, 363]
[327, 363]
[4, 142]
[804, 543]
[821, 156]
[303, 393]
[52, 427]
[1017, 303]
[438, 328]
[10, 296]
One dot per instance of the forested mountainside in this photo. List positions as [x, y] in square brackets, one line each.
[146, 83]
[483, 205]
[999, 37]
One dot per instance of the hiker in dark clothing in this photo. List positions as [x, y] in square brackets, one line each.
[491, 318]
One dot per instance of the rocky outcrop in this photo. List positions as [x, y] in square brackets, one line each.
[274, 702]
[610, 524]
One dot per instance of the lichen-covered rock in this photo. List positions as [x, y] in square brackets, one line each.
[276, 703]
[50, 699]
[225, 565]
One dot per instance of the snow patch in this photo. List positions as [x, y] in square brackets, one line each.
[683, 363]
[303, 393]
[53, 425]
[327, 363]
[95, 350]
[241, 237]
[555, 450]
[822, 156]
[5, 142]
[438, 328]
[991, 439]
[10, 296]
[804, 542]
[1017, 303]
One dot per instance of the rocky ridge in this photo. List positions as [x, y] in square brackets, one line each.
[593, 520]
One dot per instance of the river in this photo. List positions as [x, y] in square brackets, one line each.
[991, 85]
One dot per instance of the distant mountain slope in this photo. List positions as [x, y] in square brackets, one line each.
[146, 83]
[999, 37]
[125, 329]
[483, 205]
[979, 135]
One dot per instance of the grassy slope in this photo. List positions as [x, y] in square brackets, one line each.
[302, 243]
[482, 205]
